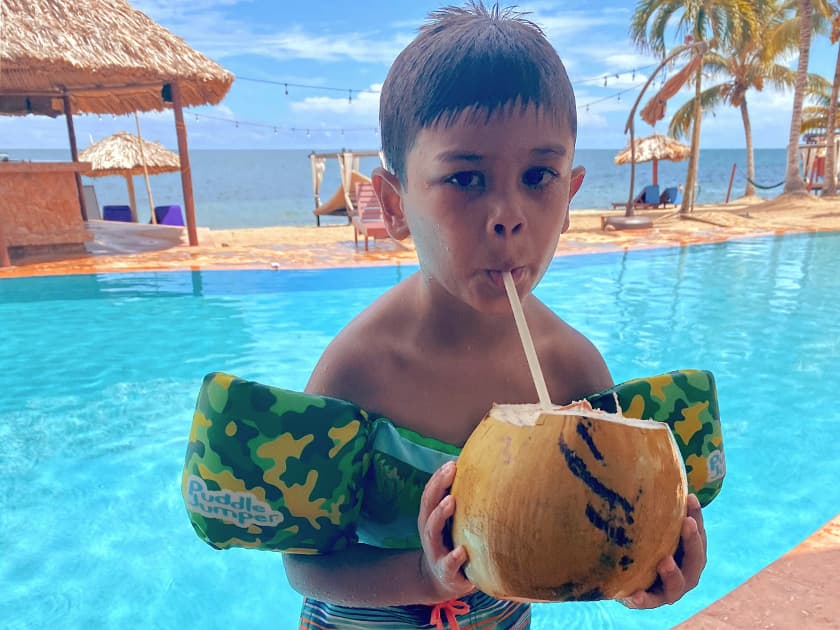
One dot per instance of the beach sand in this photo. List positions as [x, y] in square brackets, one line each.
[797, 590]
[127, 247]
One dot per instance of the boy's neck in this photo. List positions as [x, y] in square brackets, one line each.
[444, 320]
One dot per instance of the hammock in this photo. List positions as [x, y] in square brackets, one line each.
[757, 185]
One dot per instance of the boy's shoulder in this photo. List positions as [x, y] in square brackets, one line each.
[351, 364]
[571, 363]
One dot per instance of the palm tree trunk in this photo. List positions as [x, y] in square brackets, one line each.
[694, 157]
[793, 178]
[830, 182]
[749, 189]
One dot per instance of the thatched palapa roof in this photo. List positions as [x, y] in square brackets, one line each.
[120, 154]
[653, 148]
[110, 58]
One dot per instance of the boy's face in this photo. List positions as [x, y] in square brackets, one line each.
[484, 197]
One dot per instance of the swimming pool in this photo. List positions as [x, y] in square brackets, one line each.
[99, 376]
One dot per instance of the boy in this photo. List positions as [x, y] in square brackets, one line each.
[478, 128]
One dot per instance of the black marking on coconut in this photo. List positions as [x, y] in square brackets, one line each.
[615, 533]
[586, 436]
[579, 469]
[625, 562]
[590, 596]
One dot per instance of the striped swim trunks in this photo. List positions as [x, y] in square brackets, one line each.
[477, 611]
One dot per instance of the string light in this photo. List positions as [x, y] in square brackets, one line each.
[349, 91]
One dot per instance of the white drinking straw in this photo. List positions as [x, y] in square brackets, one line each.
[527, 342]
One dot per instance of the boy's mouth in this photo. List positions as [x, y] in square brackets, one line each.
[495, 275]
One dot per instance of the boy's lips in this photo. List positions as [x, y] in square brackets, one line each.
[495, 275]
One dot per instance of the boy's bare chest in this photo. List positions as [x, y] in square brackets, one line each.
[447, 399]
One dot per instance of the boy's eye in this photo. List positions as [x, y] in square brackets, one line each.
[467, 179]
[538, 176]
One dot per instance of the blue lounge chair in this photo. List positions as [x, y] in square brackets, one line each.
[648, 198]
[169, 215]
[117, 213]
[671, 195]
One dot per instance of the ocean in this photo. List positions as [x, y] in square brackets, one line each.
[260, 188]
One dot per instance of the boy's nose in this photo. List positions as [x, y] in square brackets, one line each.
[506, 219]
[507, 228]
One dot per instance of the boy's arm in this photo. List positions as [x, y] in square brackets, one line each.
[366, 576]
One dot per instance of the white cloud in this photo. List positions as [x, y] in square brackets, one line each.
[363, 108]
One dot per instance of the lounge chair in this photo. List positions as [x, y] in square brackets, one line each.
[648, 198]
[367, 219]
[670, 195]
[117, 213]
[169, 215]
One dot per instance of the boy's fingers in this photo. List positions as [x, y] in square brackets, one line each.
[673, 581]
[693, 511]
[432, 532]
[435, 490]
[452, 563]
[694, 552]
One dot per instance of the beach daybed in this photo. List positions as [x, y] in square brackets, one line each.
[341, 204]
[336, 206]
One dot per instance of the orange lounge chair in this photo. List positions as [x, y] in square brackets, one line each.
[367, 220]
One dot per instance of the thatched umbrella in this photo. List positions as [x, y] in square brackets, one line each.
[109, 57]
[128, 155]
[652, 149]
[102, 57]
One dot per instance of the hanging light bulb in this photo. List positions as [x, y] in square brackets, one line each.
[605, 80]
[286, 88]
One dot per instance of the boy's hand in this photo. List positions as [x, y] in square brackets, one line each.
[440, 565]
[676, 580]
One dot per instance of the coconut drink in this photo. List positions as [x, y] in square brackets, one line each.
[565, 503]
[568, 503]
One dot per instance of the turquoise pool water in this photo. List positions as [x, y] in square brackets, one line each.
[98, 376]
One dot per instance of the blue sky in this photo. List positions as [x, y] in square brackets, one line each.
[349, 46]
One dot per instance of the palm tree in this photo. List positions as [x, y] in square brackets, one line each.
[830, 183]
[750, 64]
[793, 178]
[716, 21]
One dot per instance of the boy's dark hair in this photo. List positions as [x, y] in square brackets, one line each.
[470, 58]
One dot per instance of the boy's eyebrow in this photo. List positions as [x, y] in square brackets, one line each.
[553, 149]
[458, 156]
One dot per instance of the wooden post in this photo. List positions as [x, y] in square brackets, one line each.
[183, 154]
[5, 260]
[74, 153]
[655, 171]
[145, 168]
[731, 179]
[132, 198]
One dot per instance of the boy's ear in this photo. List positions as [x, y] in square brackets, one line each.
[389, 192]
[575, 182]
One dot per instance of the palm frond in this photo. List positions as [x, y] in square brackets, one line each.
[683, 119]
